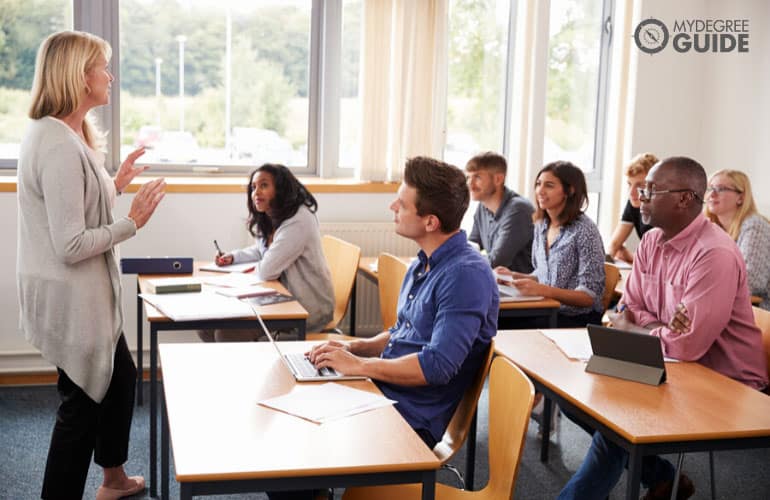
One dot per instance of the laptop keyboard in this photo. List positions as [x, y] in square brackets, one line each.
[305, 368]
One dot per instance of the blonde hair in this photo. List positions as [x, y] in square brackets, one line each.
[63, 60]
[640, 164]
[740, 182]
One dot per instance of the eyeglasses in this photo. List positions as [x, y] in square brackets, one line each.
[647, 193]
[722, 189]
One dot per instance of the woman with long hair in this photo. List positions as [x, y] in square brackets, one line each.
[67, 273]
[288, 248]
[567, 250]
[730, 205]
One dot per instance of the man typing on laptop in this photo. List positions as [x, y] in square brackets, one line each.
[689, 288]
[447, 310]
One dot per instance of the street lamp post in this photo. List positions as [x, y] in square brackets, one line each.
[181, 39]
[158, 62]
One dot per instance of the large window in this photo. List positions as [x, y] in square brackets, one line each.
[23, 25]
[577, 57]
[477, 67]
[215, 83]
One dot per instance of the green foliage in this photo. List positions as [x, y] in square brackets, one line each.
[23, 25]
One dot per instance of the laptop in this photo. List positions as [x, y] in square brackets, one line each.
[301, 367]
[510, 293]
[626, 355]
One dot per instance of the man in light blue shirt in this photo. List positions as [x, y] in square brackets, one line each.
[447, 309]
[502, 223]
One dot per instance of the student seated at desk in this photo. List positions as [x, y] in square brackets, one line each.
[447, 309]
[288, 248]
[631, 219]
[730, 205]
[688, 287]
[502, 224]
[567, 250]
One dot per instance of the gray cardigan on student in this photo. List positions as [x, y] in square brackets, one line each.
[67, 274]
[296, 259]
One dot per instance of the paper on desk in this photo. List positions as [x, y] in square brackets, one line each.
[573, 343]
[198, 306]
[232, 268]
[321, 403]
[232, 280]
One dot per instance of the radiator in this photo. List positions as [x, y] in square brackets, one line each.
[373, 238]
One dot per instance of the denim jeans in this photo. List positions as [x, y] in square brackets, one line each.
[602, 467]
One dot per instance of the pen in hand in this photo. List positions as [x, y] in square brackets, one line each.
[219, 250]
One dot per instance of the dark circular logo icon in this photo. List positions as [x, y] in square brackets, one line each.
[651, 36]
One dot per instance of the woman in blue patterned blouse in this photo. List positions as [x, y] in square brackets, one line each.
[567, 249]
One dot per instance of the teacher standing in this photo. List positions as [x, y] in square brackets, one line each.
[67, 273]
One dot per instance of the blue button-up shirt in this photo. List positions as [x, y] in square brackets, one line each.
[448, 316]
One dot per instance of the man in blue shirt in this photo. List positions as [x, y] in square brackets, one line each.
[447, 309]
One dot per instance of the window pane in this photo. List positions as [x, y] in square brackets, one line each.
[193, 113]
[23, 26]
[350, 102]
[478, 40]
[573, 81]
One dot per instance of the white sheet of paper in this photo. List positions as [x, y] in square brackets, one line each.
[321, 403]
[195, 306]
[575, 344]
[232, 268]
[232, 280]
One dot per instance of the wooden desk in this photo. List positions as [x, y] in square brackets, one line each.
[224, 442]
[537, 308]
[286, 315]
[697, 409]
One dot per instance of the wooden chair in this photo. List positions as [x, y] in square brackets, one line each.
[342, 258]
[463, 422]
[510, 402]
[390, 274]
[611, 278]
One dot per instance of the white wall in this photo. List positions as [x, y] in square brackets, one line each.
[713, 107]
[184, 225]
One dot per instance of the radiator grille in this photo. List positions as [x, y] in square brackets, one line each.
[373, 238]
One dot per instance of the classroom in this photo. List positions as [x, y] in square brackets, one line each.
[344, 93]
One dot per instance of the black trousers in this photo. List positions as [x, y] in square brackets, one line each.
[84, 427]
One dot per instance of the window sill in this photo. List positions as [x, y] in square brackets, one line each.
[237, 184]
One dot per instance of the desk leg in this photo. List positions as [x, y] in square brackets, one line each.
[185, 491]
[139, 346]
[470, 454]
[153, 410]
[552, 318]
[545, 428]
[634, 473]
[353, 302]
[164, 450]
[429, 485]
[301, 329]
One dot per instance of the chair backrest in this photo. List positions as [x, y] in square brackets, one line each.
[390, 274]
[511, 395]
[342, 258]
[762, 319]
[611, 278]
[460, 424]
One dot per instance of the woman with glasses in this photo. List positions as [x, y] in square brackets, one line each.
[631, 220]
[730, 204]
[567, 250]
